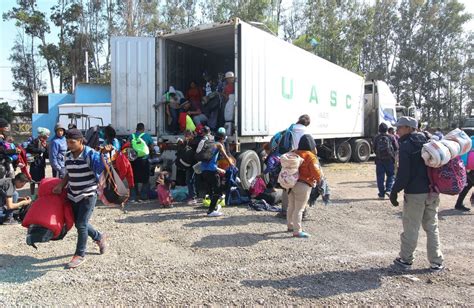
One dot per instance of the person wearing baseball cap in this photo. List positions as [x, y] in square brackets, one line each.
[229, 87]
[420, 208]
[83, 167]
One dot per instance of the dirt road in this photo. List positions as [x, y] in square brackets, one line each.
[180, 256]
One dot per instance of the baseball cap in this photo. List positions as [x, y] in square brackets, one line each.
[74, 133]
[407, 121]
[229, 75]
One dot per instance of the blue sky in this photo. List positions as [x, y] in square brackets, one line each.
[8, 32]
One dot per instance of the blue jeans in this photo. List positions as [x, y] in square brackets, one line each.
[82, 213]
[383, 168]
[190, 182]
[8, 214]
[140, 189]
[174, 116]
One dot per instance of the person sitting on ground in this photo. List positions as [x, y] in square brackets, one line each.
[420, 207]
[9, 200]
[272, 166]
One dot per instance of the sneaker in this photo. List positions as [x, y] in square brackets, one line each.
[387, 193]
[75, 262]
[102, 244]
[402, 263]
[191, 202]
[11, 221]
[218, 208]
[381, 197]
[301, 234]
[289, 230]
[215, 214]
[462, 208]
[436, 268]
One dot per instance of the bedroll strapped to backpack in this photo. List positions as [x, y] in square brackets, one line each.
[289, 174]
[139, 145]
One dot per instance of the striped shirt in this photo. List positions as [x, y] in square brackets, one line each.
[82, 179]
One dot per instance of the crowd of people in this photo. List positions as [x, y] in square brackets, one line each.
[208, 165]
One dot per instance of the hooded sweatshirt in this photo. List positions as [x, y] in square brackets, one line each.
[297, 131]
[412, 175]
[57, 151]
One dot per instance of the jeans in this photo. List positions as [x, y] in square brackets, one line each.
[190, 182]
[200, 119]
[467, 188]
[140, 189]
[82, 213]
[385, 168]
[420, 210]
[8, 214]
[174, 119]
[213, 188]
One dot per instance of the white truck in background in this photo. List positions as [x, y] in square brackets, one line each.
[276, 82]
[85, 116]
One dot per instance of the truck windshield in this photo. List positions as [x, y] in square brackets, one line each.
[469, 123]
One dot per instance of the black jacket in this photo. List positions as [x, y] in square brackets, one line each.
[412, 175]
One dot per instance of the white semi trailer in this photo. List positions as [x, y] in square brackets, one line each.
[276, 82]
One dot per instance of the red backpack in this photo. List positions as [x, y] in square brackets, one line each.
[449, 179]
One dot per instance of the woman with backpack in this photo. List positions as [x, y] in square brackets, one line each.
[39, 149]
[309, 174]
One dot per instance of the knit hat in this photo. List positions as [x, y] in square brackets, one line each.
[43, 132]
[383, 128]
[74, 133]
[306, 143]
[3, 123]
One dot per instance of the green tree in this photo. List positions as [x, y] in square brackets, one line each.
[7, 111]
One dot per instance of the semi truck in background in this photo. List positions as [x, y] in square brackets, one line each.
[276, 82]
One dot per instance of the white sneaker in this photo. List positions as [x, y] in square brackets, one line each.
[218, 208]
[215, 214]
[191, 202]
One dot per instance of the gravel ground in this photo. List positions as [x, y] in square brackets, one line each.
[179, 256]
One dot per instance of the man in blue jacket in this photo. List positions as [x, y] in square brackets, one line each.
[420, 208]
[57, 151]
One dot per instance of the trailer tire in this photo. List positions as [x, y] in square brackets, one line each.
[361, 151]
[343, 152]
[249, 167]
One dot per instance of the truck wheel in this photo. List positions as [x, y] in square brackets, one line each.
[249, 167]
[361, 151]
[343, 152]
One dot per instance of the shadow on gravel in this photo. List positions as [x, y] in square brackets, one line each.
[454, 212]
[345, 201]
[360, 184]
[161, 216]
[21, 269]
[331, 283]
[238, 239]
[225, 221]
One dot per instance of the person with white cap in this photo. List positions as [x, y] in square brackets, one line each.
[39, 149]
[57, 151]
[420, 207]
[229, 88]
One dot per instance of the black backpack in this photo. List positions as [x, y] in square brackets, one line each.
[185, 156]
[384, 148]
[40, 234]
[205, 154]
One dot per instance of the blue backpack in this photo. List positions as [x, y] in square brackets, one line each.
[281, 142]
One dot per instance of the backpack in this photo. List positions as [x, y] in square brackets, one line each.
[449, 179]
[289, 174]
[139, 145]
[282, 142]
[185, 157]
[206, 152]
[384, 148]
[92, 137]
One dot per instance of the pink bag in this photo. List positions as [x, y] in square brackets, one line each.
[449, 179]
[470, 161]
[257, 187]
[164, 195]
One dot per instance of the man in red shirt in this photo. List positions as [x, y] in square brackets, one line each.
[229, 88]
